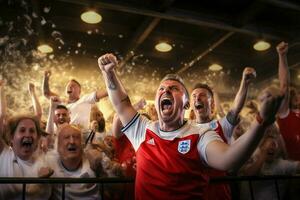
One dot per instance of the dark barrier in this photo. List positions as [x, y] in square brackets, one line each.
[63, 181]
[250, 179]
[102, 181]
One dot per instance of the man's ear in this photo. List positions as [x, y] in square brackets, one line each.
[212, 105]
[187, 105]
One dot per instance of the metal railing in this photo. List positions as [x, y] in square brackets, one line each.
[251, 179]
[100, 181]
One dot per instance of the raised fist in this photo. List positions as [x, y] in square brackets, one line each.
[269, 107]
[282, 48]
[107, 62]
[31, 87]
[47, 73]
[249, 74]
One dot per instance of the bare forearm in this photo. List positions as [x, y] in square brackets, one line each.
[241, 150]
[50, 122]
[118, 96]
[224, 157]
[101, 94]
[240, 98]
[46, 88]
[284, 80]
[283, 73]
[36, 106]
[116, 127]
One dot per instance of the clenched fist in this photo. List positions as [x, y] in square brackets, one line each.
[107, 62]
[282, 48]
[249, 74]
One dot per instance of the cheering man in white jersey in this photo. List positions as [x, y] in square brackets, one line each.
[171, 152]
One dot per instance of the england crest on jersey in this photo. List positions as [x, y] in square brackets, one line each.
[213, 125]
[184, 146]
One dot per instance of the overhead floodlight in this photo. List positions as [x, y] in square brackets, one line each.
[261, 45]
[91, 17]
[215, 67]
[163, 47]
[45, 48]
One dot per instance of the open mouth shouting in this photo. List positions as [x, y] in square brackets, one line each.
[199, 105]
[27, 142]
[72, 148]
[166, 105]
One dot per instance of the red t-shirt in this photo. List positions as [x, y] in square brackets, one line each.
[126, 155]
[170, 165]
[290, 130]
[220, 191]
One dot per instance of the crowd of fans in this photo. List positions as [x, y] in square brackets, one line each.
[74, 141]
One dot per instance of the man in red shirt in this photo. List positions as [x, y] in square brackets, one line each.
[289, 112]
[171, 152]
[203, 104]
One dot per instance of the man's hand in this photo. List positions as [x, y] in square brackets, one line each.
[45, 172]
[107, 62]
[31, 88]
[282, 48]
[54, 101]
[269, 107]
[47, 74]
[249, 74]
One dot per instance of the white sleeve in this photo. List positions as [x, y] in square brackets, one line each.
[205, 139]
[227, 128]
[88, 98]
[135, 130]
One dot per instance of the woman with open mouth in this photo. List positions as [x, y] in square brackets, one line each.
[18, 157]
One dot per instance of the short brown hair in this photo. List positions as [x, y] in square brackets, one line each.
[204, 86]
[176, 77]
[75, 81]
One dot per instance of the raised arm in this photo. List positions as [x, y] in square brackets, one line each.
[101, 94]
[35, 102]
[46, 89]
[224, 157]
[54, 101]
[284, 76]
[116, 92]
[116, 127]
[248, 75]
[219, 110]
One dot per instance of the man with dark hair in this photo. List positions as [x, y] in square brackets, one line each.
[203, 104]
[171, 152]
[80, 107]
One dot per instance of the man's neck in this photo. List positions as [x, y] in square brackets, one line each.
[171, 126]
[203, 120]
[72, 100]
